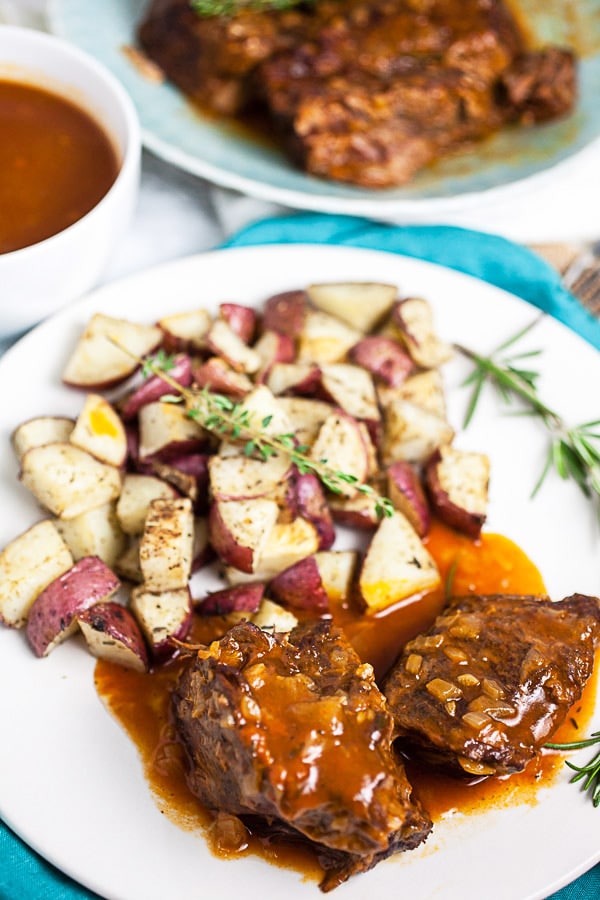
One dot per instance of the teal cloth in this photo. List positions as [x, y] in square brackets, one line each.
[26, 876]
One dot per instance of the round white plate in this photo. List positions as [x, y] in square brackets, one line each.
[71, 783]
[510, 163]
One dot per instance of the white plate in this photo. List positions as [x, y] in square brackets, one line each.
[508, 164]
[71, 783]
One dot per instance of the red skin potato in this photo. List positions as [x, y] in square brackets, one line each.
[384, 358]
[224, 545]
[309, 386]
[282, 350]
[300, 586]
[309, 501]
[132, 435]
[196, 465]
[241, 319]
[406, 493]
[155, 387]
[88, 582]
[119, 624]
[164, 650]
[285, 312]
[242, 598]
[456, 517]
[217, 375]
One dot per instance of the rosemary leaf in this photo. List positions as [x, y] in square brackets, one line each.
[573, 452]
[590, 771]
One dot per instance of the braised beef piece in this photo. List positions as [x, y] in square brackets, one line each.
[365, 92]
[292, 734]
[489, 683]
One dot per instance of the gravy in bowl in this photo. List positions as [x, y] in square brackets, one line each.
[56, 164]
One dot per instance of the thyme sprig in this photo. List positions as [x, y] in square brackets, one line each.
[228, 420]
[207, 8]
[573, 451]
[589, 773]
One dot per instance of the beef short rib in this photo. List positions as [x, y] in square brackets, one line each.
[365, 92]
[489, 683]
[292, 729]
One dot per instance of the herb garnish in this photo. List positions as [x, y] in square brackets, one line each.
[589, 772]
[229, 420]
[574, 452]
[208, 8]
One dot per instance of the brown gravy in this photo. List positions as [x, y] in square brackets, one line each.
[492, 564]
[56, 164]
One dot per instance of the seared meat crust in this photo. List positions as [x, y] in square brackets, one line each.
[365, 92]
[492, 679]
[293, 730]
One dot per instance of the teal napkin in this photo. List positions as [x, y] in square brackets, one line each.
[26, 876]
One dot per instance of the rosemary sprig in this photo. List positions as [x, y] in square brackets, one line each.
[574, 451]
[589, 773]
[229, 420]
[209, 8]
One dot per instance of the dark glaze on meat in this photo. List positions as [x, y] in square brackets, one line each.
[294, 730]
[492, 679]
[365, 92]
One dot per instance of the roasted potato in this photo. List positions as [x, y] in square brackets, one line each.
[28, 565]
[53, 615]
[98, 363]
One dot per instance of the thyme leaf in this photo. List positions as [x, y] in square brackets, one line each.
[229, 420]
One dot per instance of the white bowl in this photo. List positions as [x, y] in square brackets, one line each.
[36, 280]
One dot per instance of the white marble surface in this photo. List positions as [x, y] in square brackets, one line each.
[179, 214]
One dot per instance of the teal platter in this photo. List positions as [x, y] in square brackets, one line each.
[511, 162]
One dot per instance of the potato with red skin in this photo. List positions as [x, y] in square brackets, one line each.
[294, 379]
[241, 319]
[28, 564]
[325, 339]
[155, 387]
[406, 493]
[224, 342]
[185, 332]
[273, 347]
[344, 443]
[309, 502]
[286, 312]
[359, 304]
[239, 599]
[97, 363]
[300, 586]
[164, 618]
[457, 485]
[166, 431]
[239, 529]
[384, 358]
[217, 375]
[359, 511]
[112, 633]
[413, 317]
[194, 465]
[53, 615]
